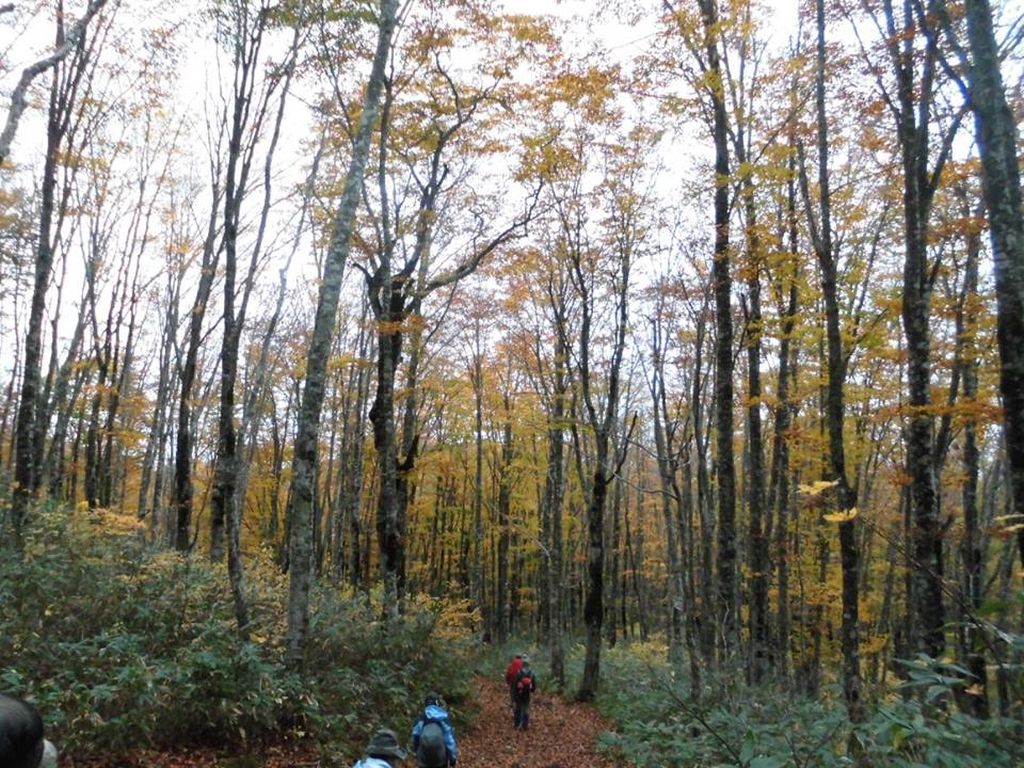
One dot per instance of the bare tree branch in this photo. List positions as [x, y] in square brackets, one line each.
[18, 100]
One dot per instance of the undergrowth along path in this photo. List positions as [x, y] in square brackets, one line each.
[561, 734]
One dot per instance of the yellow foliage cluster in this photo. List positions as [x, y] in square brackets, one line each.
[844, 516]
[456, 619]
[115, 521]
[817, 488]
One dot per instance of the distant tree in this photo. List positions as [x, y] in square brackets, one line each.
[744, 84]
[780, 492]
[253, 111]
[601, 266]
[151, 474]
[543, 305]
[670, 444]
[819, 217]
[428, 136]
[911, 83]
[188, 361]
[475, 370]
[69, 83]
[705, 47]
[556, 297]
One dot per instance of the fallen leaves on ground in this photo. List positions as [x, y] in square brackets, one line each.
[282, 756]
[561, 734]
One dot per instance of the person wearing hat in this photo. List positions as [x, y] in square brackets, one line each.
[21, 736]
[383, 751]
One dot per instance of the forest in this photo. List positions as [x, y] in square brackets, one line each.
[349, 346]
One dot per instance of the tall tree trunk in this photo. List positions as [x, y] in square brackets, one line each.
[162, 525]
[382, 416]
[728, 606]
[637, 556]
[971, 549]
[394, 299]
[668, 461]
[755, 484]
[504, 510]
[301, 510]
[63, 91]
[613, 567]
[834, 406]
[914, 97]
[249, 107]
[410, 435]
[997, 143]
[780, 494]
[350, 464]
[607, 462]
[593, 608]
[477, 570]
[181, 497]
[92, 435]
[64, 396]
[705, 620]
[688, 542]
[157, 429]
[249, 110]
[554, 490]
[743, 101]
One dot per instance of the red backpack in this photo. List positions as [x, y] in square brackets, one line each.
[524, 684]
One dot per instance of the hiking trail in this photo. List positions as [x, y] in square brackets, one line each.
[561, 734]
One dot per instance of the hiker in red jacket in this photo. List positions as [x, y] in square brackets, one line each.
[513, 669]
[522, 689]
[510, 676]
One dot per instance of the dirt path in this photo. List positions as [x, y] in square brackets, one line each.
[561, 735]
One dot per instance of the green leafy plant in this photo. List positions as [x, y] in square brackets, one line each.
[659, 723]
[122, 646]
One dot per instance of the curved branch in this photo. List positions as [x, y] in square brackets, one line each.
[18, 100]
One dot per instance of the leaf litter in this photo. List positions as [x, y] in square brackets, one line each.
[562, 734]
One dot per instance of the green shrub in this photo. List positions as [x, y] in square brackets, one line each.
[372, 672]
[122, 646]
[658, 723]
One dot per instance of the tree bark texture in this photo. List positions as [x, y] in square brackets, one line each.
[300, 550]
[63, 92]
[726, 619]
[997, 144]
[846, 494]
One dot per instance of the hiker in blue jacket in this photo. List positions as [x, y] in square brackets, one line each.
[433, 736]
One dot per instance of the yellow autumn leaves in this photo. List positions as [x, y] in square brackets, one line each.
[844, 516]
[815, 489]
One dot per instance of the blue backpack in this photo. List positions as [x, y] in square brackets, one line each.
[432, 752]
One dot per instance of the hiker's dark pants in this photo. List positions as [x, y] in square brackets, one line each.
[521, 714]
